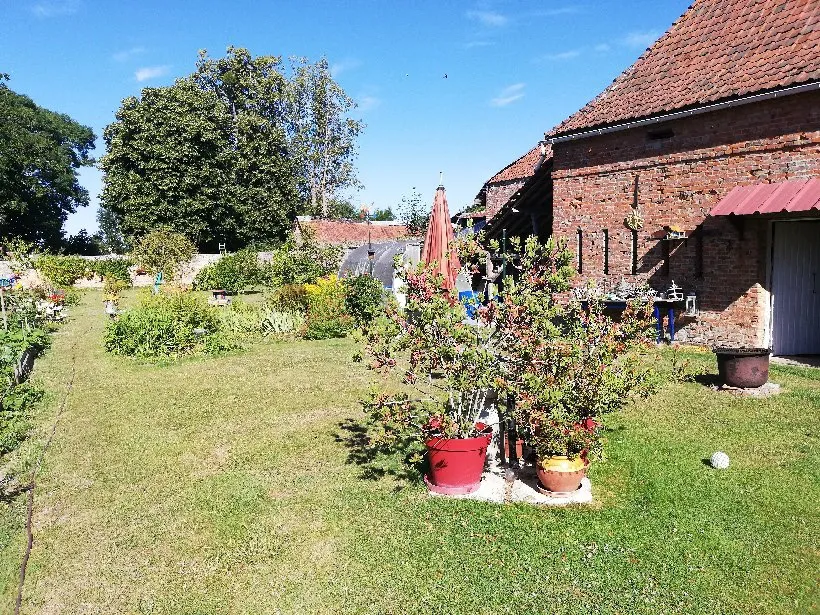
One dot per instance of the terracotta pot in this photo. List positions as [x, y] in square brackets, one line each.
[560, 474]
[744, 368]
[456, 464]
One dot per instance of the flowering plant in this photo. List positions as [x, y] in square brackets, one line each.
[450, 364]
[567, 365]
[563, 365]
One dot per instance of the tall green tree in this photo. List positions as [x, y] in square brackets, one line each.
[263, 173]
[323, 136]
[40, 153]
[231, 153]
[169, 163]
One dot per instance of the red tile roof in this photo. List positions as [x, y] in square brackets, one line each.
[522, 168]
[718, 49]
[792, 196]
[349, 232]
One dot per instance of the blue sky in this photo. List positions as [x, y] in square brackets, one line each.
[514, 70]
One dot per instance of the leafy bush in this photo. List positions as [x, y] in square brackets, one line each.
[112, 268]
[233, 273]
[242, 319]
[326, 316]
[168, 325]
[289, 298]
[301, 263]
[61, 271]
[162, 250]
[16, 399]
[364, 298]
[281, 323]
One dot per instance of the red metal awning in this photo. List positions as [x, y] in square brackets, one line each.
[784, 197]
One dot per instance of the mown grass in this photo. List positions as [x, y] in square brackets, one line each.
[223, 485]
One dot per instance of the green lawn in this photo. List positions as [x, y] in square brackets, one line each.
[222, 485]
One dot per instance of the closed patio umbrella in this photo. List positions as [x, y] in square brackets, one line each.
[439, 237]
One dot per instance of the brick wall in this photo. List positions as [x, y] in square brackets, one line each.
[499, 193]
[677, 180]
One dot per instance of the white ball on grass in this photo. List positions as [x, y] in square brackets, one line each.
[719, 460]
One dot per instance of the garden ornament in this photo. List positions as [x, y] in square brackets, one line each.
[719, 460]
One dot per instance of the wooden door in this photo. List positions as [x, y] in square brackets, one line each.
[796, 288]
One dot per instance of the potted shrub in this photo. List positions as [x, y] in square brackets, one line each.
[566, 365]
[563, 365]
[451, 368]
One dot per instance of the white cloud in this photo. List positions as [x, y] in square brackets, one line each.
[150, 72]
[488, 18]
[366, 103]
[602, 48]
[55, 8]
[343, 66]
[508, 95]
[641, 39]
[563, 55]
[127, 54]
[475, 44]
[564, 10]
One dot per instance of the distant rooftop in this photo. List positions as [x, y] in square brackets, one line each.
[351, 232]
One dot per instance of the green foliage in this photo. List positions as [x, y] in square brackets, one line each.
[232, 273]
[291, 298]
[564, 366]
[322, 135]
[113, 268]
[326, 316]
[17, 399]
[84, 244]
[275, 322]
[414, 213]
[241, 319]
[302, 262]
[15, 406]
[364, 299]
[18, 252]
[61, 271]
[40, 152]
[231, 153]
[162, 250]
[168, 325]
[110, 235]
[383, 215]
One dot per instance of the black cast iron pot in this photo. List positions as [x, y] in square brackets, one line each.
[744, 368]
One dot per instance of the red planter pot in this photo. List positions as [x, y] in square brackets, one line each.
[456, 464]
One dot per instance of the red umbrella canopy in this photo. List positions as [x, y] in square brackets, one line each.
[439, 237]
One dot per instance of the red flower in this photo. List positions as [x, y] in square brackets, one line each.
[434, 424]
[481, 427]
[590, 424]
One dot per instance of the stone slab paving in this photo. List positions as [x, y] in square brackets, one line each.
[508, 486]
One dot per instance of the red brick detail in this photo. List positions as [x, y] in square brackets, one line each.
[498, 194]
[679, 180]
[718, 49]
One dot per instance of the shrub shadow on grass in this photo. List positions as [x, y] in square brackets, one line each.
[377, 460]
[708, 380]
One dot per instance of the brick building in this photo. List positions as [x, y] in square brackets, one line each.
[714, 131]
[508, 182]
